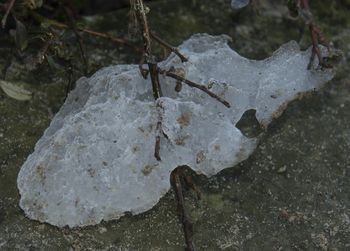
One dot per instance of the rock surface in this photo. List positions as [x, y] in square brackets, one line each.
[96, 160]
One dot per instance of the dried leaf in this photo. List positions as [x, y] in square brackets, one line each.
[15, 90]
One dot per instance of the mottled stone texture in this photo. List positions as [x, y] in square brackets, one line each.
[96, 160]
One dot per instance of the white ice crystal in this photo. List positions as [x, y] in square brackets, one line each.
[96, 160]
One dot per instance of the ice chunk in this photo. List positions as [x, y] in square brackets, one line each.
[96, 160]
[238, 4]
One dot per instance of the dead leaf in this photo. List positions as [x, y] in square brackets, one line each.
[16, 90]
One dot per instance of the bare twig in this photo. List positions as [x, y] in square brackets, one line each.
[104, 35]
[9, 6]
[169, 47]
[144, 72]
[153, 70]
[316, 38]
[70, 17]
[195, 85]
[111, 38]
[140, 10]
[177, 179]
[157, 145]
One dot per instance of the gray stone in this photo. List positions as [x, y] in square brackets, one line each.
[96, 160]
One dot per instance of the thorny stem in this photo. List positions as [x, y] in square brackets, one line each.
[8, 7]
[111, 38]
[195, 85]
[169, 47]
[316, 35]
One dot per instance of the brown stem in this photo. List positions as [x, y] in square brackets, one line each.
[316, 37]
[9, 4]
[153, 70]
[144, 72]
[176, 179]
[104, 35]
[142, 19]
[157, 145]
[169, 47]
[140, 10]
[111, 38]
[194, 85]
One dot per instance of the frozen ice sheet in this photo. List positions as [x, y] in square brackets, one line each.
[96, 160]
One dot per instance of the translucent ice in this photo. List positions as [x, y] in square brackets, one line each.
[96, 160]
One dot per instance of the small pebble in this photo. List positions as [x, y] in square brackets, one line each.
[282, 169]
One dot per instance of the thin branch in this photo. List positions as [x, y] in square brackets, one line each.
[144, 72]
[140, 10]
[158, 133]
[177, 179]
[9, 4]
[316, 35]
[153, 70]
[104, 35]
[169, 47]
[194, 85]
[142, 19]
[111, 38]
